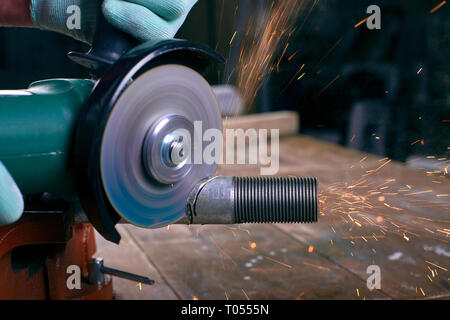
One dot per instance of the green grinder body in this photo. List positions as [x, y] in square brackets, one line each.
[37, 130]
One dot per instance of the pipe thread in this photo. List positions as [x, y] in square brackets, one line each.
[275, 200]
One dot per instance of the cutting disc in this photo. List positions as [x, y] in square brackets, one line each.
[149, 120]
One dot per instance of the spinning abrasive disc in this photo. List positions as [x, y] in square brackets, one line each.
[146, 157]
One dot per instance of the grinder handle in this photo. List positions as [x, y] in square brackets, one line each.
[108, 45]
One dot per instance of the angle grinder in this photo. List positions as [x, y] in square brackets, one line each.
[117, 143]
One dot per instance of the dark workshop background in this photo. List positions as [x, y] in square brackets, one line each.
[380, 103]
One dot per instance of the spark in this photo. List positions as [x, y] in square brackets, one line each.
[222, 251]
[328, 85]
[435, 265]
[438, 7]
[279, 262]
[416, 193]
[232, 38]
[293, 55]
[260, 45]
[329, 51]
[316, 266]
[303, 74]
[383, 165]
[194, 298]
[245, 294]
[310, 249]
[253, 245]
[281, 58]
[361, 22]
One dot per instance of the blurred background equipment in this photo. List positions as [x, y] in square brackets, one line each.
[335, 72]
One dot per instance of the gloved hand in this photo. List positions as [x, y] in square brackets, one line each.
[11, 201]
[143, 19]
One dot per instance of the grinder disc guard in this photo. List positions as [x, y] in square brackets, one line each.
[142, 186]
[121, 171]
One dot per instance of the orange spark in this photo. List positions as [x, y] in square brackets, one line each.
[245, 294]
[438, 6]
[260, 46]
[316, 266]
[328, 85]
[279, 262]
[423, 293]
[361, 22]
[435, 265]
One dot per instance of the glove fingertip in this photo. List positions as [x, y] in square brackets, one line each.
[181, 8]
[11, 200]
[134, 19]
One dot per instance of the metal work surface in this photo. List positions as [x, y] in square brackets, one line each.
[373, 212]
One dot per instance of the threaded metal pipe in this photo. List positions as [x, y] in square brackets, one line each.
[229, 200]
[275, 200]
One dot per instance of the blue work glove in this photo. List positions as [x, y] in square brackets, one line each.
[11, 201]
[143, 19]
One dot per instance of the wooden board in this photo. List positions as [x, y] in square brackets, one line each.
[129, 257]
[411, 238]
[287, 122]
[218, 262]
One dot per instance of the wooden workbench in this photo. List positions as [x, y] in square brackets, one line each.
[373, 212]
